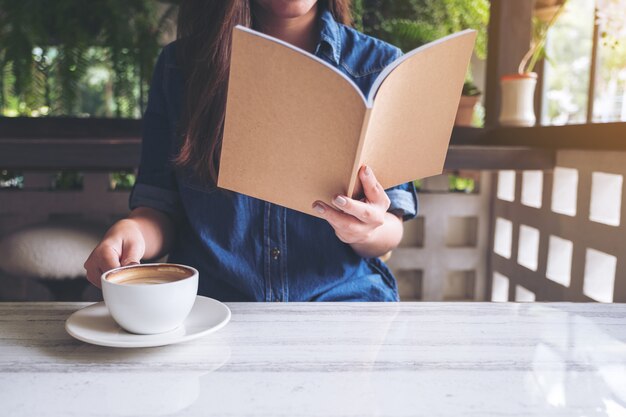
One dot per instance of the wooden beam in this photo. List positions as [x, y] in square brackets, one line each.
[540, 70]
[509, 36]
[495, 158]
[67, 127]
[93, 154]
[595, 137]
[593, 69]
[110, 154]
[101, 144]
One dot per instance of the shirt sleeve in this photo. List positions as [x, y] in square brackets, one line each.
[156, 186]
[404, 202]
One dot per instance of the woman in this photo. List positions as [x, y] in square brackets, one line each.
[244, 248]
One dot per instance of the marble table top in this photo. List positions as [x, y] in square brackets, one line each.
[342, 359]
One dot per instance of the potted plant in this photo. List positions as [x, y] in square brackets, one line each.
[518, 90]
[469, 98]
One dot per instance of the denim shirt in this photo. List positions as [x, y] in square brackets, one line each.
[251, 250]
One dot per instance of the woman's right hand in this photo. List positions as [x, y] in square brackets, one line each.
[123, 244]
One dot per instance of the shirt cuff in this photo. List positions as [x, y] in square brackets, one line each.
[403, 202]
[166, 201]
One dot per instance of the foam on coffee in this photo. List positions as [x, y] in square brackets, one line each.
[141, 275]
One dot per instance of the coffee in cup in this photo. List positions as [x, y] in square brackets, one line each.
[150, 298]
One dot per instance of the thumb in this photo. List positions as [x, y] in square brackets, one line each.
[132, 252]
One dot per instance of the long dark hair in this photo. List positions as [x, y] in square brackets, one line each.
[204, 37]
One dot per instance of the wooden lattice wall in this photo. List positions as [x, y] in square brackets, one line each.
[560, 235]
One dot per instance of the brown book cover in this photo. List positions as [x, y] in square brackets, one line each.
[297, 130]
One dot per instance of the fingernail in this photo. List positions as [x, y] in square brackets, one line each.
[340, 201]
[367, 170]
[128, 262]
[319, 208]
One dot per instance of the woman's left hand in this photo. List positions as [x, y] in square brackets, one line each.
[354, 221]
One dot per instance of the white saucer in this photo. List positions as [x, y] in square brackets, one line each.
[94, 324]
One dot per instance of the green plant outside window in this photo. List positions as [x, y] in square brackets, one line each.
[122, 180]
[67, 181]
[11, 179]
[79, 58]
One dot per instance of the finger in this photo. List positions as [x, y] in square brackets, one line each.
[93, 276]
[98, 277]
[132, 252]
[89, 268]
[374, 192]
[365, 212]
[99, 273]
[341, 222]
[88, 271]
[108, 258]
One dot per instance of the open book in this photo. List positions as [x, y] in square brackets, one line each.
[297, 129]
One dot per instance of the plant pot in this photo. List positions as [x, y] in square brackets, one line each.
[465, 113]
[518, 99]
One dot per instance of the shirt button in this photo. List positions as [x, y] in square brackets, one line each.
[275, 253]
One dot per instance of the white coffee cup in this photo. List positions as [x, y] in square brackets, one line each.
[150, 298]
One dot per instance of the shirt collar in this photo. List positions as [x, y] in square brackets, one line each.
[329, 34]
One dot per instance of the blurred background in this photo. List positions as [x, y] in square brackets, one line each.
[528, 209]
